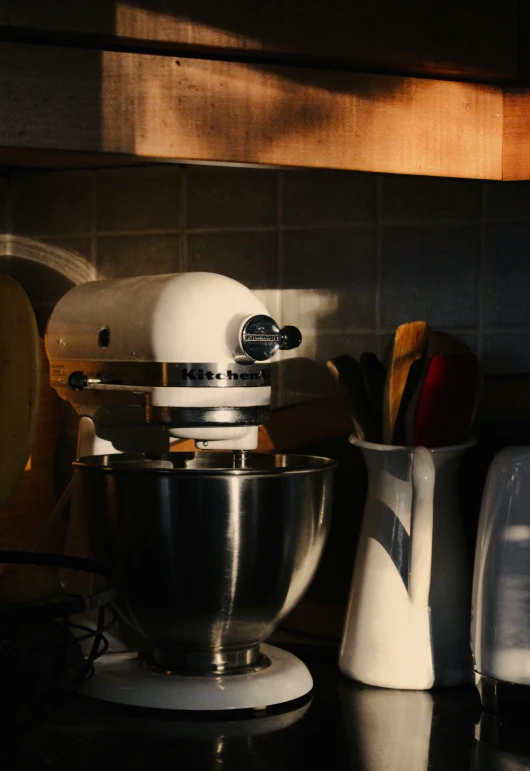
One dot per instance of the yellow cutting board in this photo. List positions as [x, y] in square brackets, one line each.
[20, 372]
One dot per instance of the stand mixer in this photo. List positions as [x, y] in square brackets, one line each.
[209, 550]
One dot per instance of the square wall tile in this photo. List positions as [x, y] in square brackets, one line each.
[139, 199]
[223, 197]
[141, 255]
[507, 275]
[312, 197]
[506, 352]
[508, 201]
[271, 299]
[303, 373]
[430, 273]
[329, 278]
[250, 258]
[409, 198]
[52, 203]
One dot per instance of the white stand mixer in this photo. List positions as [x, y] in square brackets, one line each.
[147, 359]
[152, 359]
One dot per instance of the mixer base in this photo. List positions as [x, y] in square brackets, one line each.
[122, 679]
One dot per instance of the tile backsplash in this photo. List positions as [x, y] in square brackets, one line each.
[345, 256]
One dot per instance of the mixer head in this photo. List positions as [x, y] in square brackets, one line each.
[180, 355]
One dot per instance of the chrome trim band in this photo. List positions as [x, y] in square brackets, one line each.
[207, 417]
[208, 663]
[163, 374]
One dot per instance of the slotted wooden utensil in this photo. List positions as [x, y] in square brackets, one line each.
[410, 342]
[347, 373]
[414, 380]
[374, 376]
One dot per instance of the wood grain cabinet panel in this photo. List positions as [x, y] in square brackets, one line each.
[163, 107]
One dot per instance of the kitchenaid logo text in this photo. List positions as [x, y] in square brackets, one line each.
[259, 338]
[195, 374]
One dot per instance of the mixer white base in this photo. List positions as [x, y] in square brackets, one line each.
[121, 679]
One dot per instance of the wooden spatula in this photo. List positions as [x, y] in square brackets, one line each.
[447, 403]
[347, 373]
[410, 342]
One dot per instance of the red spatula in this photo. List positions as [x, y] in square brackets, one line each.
[447, 403]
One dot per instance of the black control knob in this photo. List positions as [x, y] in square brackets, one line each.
[77, 381]
[290, 337]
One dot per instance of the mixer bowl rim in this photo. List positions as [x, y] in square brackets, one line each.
[90, 463]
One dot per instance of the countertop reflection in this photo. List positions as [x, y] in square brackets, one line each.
[343, 726]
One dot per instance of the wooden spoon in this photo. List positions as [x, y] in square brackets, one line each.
[410, 342]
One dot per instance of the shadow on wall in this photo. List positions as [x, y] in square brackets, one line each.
[282, 26]
[122, 102]
[274, 123]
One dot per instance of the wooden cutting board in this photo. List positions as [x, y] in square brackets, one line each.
[20, 375]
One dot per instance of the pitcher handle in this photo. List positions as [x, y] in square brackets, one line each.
[422, 517]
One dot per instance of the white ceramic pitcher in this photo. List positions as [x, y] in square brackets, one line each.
[407, 624]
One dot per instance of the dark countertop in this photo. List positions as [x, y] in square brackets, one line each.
[343, 726]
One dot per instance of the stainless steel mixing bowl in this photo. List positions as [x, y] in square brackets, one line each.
[208, 558]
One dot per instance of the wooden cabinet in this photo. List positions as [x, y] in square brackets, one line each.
[459, 38]
[288, 84]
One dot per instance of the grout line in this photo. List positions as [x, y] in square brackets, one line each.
[482, 268]
[129, 233]
[505, 220]
[254, 229]
[451, 221]
[280, 228]
[345, 329]
[94, 220]
[379, 256]
[508, 330]
[330, 226]
[183, 221]
[233, 229]
[9, 206]
[440, 328]
[61, 236]
[391, 330]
